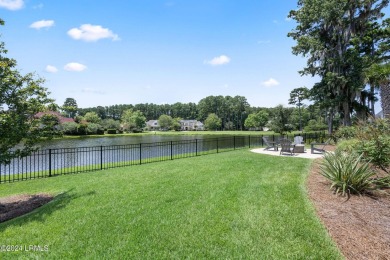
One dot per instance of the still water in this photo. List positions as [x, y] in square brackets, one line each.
[118, 140]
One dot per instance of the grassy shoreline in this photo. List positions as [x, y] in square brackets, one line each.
[229, 205]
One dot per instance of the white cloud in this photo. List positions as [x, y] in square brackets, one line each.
[12, 4]
[270, 83]
[39, 6]
[92, 91]
[51, 69]
[91, 33]
[74, 66]
[221, 60]
[42, 24]
[264, 42]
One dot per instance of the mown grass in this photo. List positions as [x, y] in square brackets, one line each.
[223, 206]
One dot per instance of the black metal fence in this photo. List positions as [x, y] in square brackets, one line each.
[54, 162]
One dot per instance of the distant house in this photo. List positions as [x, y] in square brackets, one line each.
[61, 118]
[153, 125]
[191, 125]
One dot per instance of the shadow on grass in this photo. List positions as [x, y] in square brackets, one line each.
[41, 213]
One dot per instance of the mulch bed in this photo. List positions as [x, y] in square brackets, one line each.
[360, 225]
[17, 205]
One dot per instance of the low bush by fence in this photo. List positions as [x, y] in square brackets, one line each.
[54, 162]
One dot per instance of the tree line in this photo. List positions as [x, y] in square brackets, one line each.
[216, 112]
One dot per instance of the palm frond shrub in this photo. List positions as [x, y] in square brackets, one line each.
[347, 173]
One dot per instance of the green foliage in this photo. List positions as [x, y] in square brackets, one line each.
[228, 109]
[21, 98]
[165, 122]
[374, 142]
[93, 129]
[314, 126]
[92, 117]
[280, 120]
[69, 128]
[50, 124]
[257, 120]
[341, 40]
[70, 107]
[176, 124]
[133, 120]
[82, 129]
[212, 122]
[111, 131]
[348, 146]
[110, 124]
[347, 172]
[346, 132]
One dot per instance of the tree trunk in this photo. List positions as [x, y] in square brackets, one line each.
[385, 99]
[330, 121]
[347, 114]
[372, 100]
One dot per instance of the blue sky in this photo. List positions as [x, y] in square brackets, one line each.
[155, 51]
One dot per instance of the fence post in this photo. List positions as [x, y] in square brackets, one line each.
[49, 162]
[234, 142]
[140, 153]
[249, 141]
[171, 150]
[196, 147]
[101, 157]
[217, 146]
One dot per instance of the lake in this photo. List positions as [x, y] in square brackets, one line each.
[118, 140]
[61, 156]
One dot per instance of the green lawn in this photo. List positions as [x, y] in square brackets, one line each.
[221, 206]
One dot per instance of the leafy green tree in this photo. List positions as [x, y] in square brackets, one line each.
[110, 124]
[332, 33]
[280, 120]
[133, 120]
[70, 107]
[176, 124]
[50, 124]
[53, 107]
[92, 117]
[297, 95]
[212, 122]
[165, 122]
[257, 120]
[21, 98]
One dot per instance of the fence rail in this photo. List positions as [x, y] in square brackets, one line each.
[54, 162]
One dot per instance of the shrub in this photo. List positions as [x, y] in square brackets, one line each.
[314, 125]
[82, 129]
[374, 142]
[93, 128]
[69, 128]
[377, 151]
[345, 132]
[111, 131]
[347, 173]
[348, 146]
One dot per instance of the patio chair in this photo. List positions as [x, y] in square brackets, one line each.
[319, 147]
[298, 139]
[269, 144]
[286, 146]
